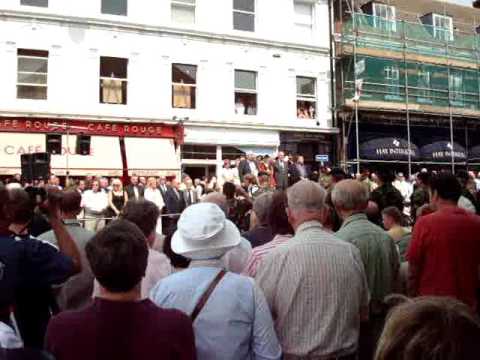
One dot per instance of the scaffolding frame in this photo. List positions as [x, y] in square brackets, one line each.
[447, 60]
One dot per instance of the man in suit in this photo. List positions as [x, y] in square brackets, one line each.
[248, 166]
[134, 191]
[281, 171]
[162, 186]
[174, 199]
[189, 194]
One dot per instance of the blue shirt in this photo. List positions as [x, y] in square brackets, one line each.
[234, 324]
[26, 262]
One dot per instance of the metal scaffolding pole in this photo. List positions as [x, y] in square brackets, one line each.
[407, 107]
[357, 99]
[450, 112]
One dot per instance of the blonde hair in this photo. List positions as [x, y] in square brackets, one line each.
[117, 182]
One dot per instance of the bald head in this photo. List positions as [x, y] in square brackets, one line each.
[350, 195]
[306, 195]
[218, 199]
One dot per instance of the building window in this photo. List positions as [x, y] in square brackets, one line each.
[244, 15]
[53, 144]
[456, 87]
[199, 152]
[303, 16]
[306, 98]
[183, 11]
[245, 92]
[424, 84]
[113, 80]
[384, 17]
[392, 78]
[184, 86]
[442, 27]
[32, 74]
[114, 7]
[40, 3]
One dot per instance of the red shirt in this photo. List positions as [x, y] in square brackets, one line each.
[114, 330]
[445, 249]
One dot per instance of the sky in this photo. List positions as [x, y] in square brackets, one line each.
[461, 2]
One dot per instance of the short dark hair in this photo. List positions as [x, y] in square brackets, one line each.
[71, 201]
[277, 218]
[20, 206]
[424, 177]
[142, 213]
[430, 328]
[229, 190]
[177, 261]
[447, 187]
[385, 176]
[394, 213]
[338, 175]
[118, 256]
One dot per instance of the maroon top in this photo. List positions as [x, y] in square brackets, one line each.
[445, 248]
[121, 331]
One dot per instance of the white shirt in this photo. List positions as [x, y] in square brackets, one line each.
[405, 189]
[95, 201]
[8, 338]
[155, 196]
[253, 167]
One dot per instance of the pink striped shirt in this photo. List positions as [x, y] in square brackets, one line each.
[259, 252]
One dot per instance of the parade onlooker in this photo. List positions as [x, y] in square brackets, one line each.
[430, 328]
[405, 188]
[281, 171]
[117, 198]
[315, 283]
[174, 199]
[392, 221]
[421, 194]
[385, 195]
[280, 228]
[263, 184]
[190, 194]
[95, 202]
[260, 232]
[76, 292]
[134, 191]
[248, 166]
[30, 267]
[237, 206]
[467, 201]
[336, 175]
[217, 301]
[119, 324]
[444, 254]
[250, 185]
[378, 252]
[154, 195]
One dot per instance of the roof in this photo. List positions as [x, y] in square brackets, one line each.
[465, 18]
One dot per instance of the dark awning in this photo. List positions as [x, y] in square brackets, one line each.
[441, 151]
[474, 153]
[388, 149]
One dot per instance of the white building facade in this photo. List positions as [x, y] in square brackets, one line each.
[236, 75]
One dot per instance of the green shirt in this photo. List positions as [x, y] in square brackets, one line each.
[378, 252]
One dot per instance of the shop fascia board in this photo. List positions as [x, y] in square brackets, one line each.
[127, 26]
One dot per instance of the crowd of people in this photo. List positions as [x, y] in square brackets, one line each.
[269, 261]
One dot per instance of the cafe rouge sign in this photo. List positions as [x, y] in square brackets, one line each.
[84, 127]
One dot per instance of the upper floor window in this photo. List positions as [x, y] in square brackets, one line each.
[32, 74]
[306, 97]
[41, 3]
[442, 27]
[384, 17]
[303, 15]
[114, 7]
[183, 11]
[245, 92]
[244, 15]
[392, 79]
[113, 80]
[184, 86]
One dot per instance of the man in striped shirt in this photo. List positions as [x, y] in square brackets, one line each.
[315, 284]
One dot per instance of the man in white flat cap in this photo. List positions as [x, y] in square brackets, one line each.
[230, 315]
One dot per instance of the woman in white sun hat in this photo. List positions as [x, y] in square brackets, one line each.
[231, 318]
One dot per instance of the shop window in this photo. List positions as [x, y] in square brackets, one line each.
[306, 98]
[114, 7]
[245, 92]
[53, 144]
[244, 15]
[303, 16]
[40, 3]
[199, 152]
[113, 80]
[183, 11]
[32, 74]
[82, 146]
[184, 86]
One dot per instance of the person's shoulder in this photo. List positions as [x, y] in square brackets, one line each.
[67, 319]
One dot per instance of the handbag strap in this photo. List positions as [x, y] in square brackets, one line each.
[204, 298]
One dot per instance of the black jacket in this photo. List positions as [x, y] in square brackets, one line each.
[131, 192]
[174, 204]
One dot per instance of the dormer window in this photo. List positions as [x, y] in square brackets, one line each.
[441, 26]
[383, 15]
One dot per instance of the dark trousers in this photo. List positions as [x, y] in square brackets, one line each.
[370, 332]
